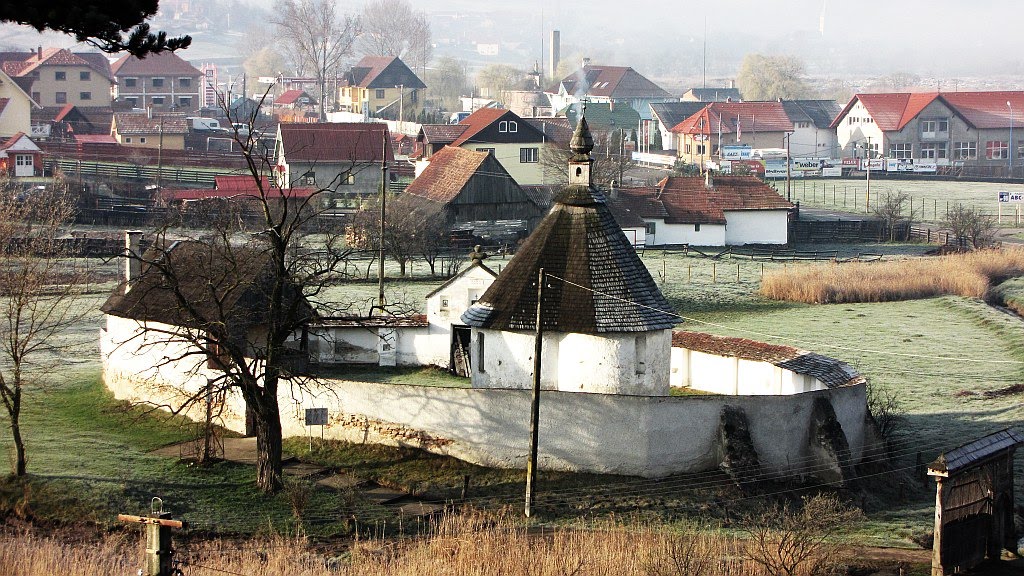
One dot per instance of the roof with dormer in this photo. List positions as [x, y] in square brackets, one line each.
[595, 282]
[615, 82]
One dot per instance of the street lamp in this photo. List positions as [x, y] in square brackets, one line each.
[1009, 148]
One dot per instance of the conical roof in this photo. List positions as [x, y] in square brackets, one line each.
[596, 282]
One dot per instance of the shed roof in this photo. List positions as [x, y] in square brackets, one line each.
[975, 453]
[220, 284]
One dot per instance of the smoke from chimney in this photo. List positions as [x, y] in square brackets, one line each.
[133, 254]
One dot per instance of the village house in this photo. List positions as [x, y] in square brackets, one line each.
[15, 107]
[605, 84]
[142, 130]
[667, 115]
[940, 128]
[161, 82]
[20, 157]
[336, 156]
[813, 135]
[381, 87]
[514, 142]
[59, 76]
[700, 137]
[295, 106]
[714, 210]
[473, 186]
[67, 121]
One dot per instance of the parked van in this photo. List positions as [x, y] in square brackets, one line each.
[200, 124]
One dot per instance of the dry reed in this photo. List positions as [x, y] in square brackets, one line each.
[969, 275]
[462, 545]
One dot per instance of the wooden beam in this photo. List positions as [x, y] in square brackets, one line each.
[151, 520]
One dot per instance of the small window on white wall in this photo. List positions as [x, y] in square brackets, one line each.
[641, 354]
[696, 227]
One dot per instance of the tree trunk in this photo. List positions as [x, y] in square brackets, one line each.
[21, 462]
[401, 267]
[268, 448]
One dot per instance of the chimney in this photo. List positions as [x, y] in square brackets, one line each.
[39, 53]
[555, 54]
[586, 62]
[133, 255]
[709, 181]
[611, 105]
[732, 83]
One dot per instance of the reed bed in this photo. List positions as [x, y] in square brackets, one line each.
[461, 545]
[970, 275]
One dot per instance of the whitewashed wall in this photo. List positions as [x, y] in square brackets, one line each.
[635, 435]
[756, 227]
[708, 235]
[597, 363]
[736, 376]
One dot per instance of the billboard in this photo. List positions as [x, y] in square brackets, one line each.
[1014, 197]
[737, 152]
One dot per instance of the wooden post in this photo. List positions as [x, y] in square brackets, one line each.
[737, 272]
[157, 561]
[689, 272]
[714, 273]
[939, 529]
[531, 466]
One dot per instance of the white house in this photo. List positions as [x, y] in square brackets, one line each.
[607, 327]
[710, 211]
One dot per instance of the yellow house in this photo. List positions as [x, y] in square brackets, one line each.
[381, 87]
[15, 108]
[514, 142]
[139, 130]
[60, 76]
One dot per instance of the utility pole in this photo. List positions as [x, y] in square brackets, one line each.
[867, 205]
[538, 341]
[160, 153]
[789, 176]
[383, 206]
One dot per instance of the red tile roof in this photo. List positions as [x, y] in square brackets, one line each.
[449, 171]
[95, 139]
[22, 63]
[292, 96]
[12, 140]
[751, 116]
[617, 82]
[335, 142]
[687, 200]
[981, 110]
[252, 192]
[162, 64]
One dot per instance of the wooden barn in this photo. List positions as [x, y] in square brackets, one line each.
[474, 187]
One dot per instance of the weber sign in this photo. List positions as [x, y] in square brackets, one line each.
[1012, 197]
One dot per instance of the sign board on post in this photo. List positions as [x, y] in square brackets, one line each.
[1015, 197]
[316, 416]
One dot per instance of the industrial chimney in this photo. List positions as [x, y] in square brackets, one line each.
[555, 54]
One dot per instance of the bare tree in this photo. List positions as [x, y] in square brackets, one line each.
[394, 28]
[496, 79]
[611, 162]
[447, 81]
[969, 224]
[894, 209]
[39, 287]
[788, 542]
[232, 302]
[317, 38]
[411, 228]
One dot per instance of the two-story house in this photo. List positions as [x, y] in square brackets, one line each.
[59, 76]
[619, 84]
[15, 107]
[513, 141]
[756, 124]
[159, 82]
[944, 128]
[813, 135]
[381, 87]
[340, 157]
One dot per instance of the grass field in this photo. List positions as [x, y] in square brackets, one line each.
[89, 454]
[930, 197]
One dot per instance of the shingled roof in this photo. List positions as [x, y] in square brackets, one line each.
[382, 72]
[132, 123]
[160, 64]
[829, 371]
[334, 142]
[220, 285]
[451, 169]
[616, 82]
[975, 453]
[596, 283]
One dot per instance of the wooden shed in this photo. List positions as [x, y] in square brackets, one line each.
[973, 502]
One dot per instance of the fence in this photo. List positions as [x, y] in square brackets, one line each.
[96, 169]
